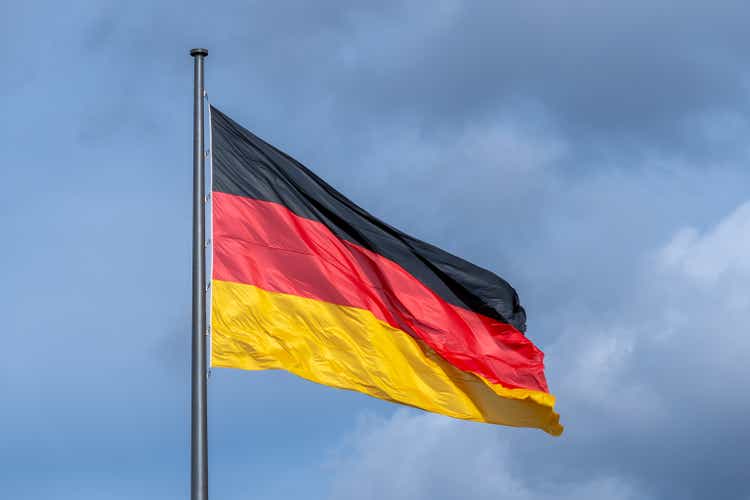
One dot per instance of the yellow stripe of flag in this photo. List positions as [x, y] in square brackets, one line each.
[350, 348]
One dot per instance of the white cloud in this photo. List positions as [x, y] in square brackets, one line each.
[720, 251]
[421, 456]
[633, 387]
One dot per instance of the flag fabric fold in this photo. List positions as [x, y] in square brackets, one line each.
[306, 281]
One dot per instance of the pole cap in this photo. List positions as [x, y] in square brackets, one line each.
[199, 52]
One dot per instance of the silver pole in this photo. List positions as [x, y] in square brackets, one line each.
[198, 433]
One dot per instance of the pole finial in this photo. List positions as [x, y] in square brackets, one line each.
[199, 52]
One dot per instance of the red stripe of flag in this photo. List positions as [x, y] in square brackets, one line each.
[264, 244]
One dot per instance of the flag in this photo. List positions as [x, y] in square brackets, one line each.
[306, 281]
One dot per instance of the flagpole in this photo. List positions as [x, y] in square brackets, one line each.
[199, 420]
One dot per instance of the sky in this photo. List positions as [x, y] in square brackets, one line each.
[594, 154]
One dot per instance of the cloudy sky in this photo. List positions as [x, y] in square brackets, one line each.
[595, 156]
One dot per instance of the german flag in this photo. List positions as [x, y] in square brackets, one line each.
[306, 281]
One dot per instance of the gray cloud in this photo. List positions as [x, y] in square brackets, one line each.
[587, 153]
[637, 77]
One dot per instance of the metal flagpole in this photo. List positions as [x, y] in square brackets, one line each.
[198, 432]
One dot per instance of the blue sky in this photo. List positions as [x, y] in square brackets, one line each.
[595, 156]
